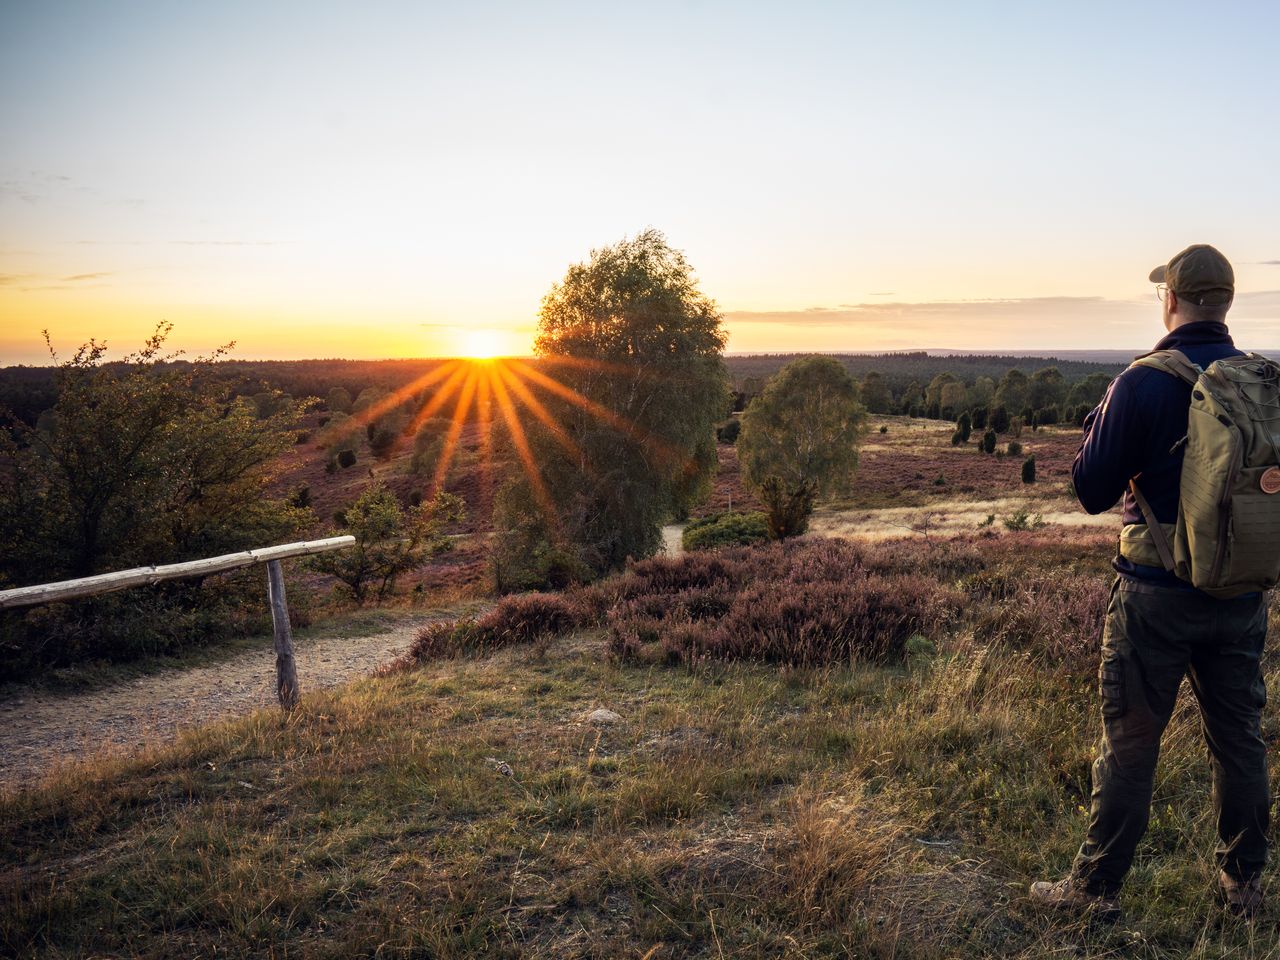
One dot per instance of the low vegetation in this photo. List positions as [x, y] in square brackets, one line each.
[886, 805]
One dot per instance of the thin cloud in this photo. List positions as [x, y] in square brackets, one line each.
[77, 277]
[1268, 263]
[8, 279]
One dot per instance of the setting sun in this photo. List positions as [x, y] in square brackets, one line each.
[481, 344]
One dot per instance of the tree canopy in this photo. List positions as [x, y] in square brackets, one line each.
[799, 439]
[636, 348]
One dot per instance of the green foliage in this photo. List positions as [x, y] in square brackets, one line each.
[787, 506]
[802, 432]
[142, 462]
[346, 458]
[1000, 419]
[1023, 520]
[630, 334]
[989, 442]
[1013, 391]
[726, 529]
[1029, 469]
[1047, 388]
[1015, 448]
[964, 425]
[530, 552]
[874, 393]
[389, 540]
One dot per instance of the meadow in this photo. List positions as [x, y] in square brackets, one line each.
[835, 747]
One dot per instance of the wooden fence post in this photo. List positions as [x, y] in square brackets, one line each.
[286, 668]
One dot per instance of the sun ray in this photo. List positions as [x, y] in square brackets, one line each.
[455, 431]
[521, 442]
[370, 413]
[539, 410]
[484, 417]
[660, 447]
[439, 400]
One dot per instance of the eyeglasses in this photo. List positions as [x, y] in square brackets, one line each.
[1162, 291]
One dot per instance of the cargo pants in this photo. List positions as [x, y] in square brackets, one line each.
[1153, 636]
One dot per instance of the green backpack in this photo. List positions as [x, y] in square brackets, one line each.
[1227, 538]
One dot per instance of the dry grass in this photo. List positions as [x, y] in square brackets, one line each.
[467, 808]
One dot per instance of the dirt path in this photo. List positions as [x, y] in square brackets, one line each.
[39, 728]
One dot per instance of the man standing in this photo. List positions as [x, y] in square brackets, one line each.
[1159, 627]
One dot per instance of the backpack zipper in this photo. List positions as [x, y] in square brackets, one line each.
[1224, 504]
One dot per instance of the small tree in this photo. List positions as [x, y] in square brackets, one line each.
[799, 439]
[1029, 469]
[347, 458]
[964, 426]
[1000, 420]
[389, 541]
[989, 442]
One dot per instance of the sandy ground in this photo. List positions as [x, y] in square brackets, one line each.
[950, 517]
[37, 728]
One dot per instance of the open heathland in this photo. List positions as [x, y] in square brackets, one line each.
[539, 782]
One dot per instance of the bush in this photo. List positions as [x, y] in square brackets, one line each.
[1000, 420]
[383, 443]
[1029, 469]
[884, 429]
[799, 603]
[726, 529]
[524, 618]
[989, 442]
[1015, 448]
[347, 458]
[389, 542]
[957, 438]
[729, 430]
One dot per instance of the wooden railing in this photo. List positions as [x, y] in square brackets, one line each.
[286, 666]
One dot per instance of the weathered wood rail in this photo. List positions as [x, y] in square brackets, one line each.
[286, 666]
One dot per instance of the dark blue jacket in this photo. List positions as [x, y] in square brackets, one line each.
[1133, 431]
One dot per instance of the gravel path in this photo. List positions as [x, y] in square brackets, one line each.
[37, 729]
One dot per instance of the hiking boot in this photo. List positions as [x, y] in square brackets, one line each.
[1242, 897]
[1068, 896]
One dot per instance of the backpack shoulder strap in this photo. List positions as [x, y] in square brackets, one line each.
[1172, 362]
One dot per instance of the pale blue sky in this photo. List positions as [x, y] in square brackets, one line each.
[324, 179]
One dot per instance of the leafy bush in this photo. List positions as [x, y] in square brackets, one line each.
[347, 458]
[989, 442]
[389, 542]
[1015, 448]
[1029, 469]
[1023, 520]
[726, 529]
[729, 430]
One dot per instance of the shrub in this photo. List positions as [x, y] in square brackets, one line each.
[347, 458]
[524, 618]
[989, 442]
[1015, 448]
[799, 603]
[957, 438]
[1022, 520]
[1029, 469]
[964, 427]
[726, 529]
[383, 443]
[729, 430]
[389, 542]
[884, 429]
[1000, 420]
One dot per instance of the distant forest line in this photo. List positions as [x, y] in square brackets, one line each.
[29, 390]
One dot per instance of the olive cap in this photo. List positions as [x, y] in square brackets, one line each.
[1200, 274]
